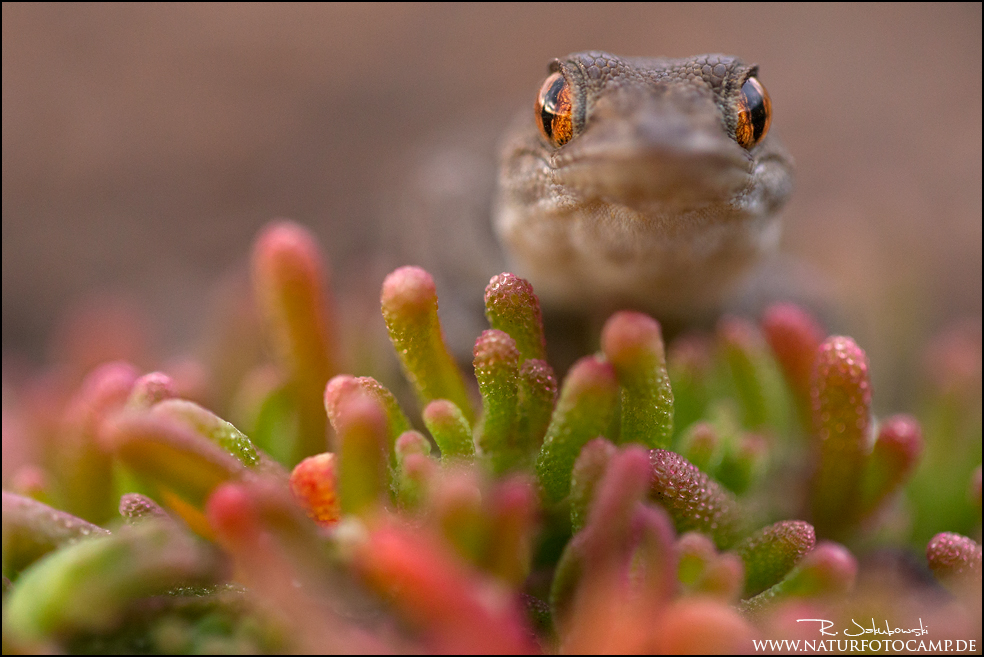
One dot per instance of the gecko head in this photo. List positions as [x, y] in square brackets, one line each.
[659, 135]
[655, 181]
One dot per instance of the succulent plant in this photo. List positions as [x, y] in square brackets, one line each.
[698, 496]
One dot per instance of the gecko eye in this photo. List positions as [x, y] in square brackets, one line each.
[754, 114]
[553, 110]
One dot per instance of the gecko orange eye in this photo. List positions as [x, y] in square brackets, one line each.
[754, 114]
[553, 110]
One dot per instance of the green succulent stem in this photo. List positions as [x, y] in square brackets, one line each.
[588, 470]
[633, 343]
[770, 553]
[409, 304]
[841, 408]
[512, 307]
[536, 396]
[497, 371]
[584, 411]
[450, 429]
[694, 500]
[290, 281]
[828, 570]
[362, 459]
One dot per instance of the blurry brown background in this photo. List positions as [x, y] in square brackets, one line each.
[143, 146]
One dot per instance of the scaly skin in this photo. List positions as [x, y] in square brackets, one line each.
[652, 203]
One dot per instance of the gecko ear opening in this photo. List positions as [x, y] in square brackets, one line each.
[754, 114]
[553, 110]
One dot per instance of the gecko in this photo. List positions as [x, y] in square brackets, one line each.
[630, 182]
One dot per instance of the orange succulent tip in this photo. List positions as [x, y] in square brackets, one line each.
[588, 470]
[701, 439]
[409, 306]
[362, 443]
[408, 291]
[697, 545]
[954, 559]
[840, 403]
[314, 485]
[793, 319]
[633, 343]
[739, 332]
[701, 626]
[840, 364]
[583, 412]
[901, 436]
[628, 335]
[432, 588]
[692, 355]
[450, 429]
[396, 559]
[361, 411]
[621, 488]
[287, 252]
[232, 515]
[513, 307]
[515, 495]
[339, 387]
[290, 280]
[30, 481]
[794, 336]
[493, 347]
[150, 389]
[419, 467]
[832, 567]
[412, 442]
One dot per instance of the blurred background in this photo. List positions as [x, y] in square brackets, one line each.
[144, 146]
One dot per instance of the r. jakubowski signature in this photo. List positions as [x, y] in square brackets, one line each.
[861, 630]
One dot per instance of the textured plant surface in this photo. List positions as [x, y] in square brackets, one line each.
[690, 497]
